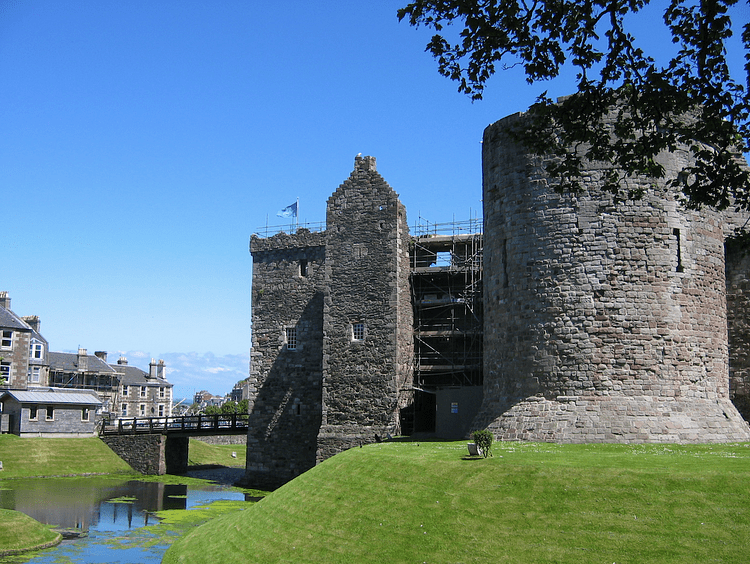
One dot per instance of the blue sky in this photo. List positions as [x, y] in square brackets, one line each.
[142, 142]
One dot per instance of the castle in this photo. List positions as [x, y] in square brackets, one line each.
[587, 320]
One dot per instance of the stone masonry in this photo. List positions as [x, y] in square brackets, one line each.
[738, 317]
[332, 348]
[604, 321]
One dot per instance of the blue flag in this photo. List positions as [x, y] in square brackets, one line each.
[289, 211]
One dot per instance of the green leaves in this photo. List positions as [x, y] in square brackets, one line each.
[628, 109]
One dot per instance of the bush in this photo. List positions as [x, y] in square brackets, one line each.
[483, 439]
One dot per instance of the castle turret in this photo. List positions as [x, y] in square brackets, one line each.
[604, 320]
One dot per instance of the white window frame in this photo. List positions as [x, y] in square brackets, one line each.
[5, 369]
[6, 339]
[35, 374]
[162, 392]
[162, 411]
[144, 391]
[125, 390]
[85, 414]
[124, 410]
[142, 409]
[36, 350]
[49, 413]
[35, 411]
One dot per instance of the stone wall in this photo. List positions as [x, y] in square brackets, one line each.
[367, 275]
[144, 453]
[285, 381]
[738, 317]
[604, 321]
[344, 293]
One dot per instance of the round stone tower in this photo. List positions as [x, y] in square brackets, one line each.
[605, 321]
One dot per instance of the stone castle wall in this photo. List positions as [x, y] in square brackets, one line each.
[367, 268]
[738, 316]
[285, 383]
[331, 390]
[604, 321]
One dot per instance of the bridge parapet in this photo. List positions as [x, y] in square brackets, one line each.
[221, 424]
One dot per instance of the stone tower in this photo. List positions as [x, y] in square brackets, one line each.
[331, 358]
[604, 321]
[367, 323]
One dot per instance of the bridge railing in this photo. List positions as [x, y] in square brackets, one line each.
[180, 424]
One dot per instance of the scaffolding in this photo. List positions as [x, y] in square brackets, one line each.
[446, 285]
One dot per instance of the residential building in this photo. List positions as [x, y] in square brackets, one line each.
[23, 350]
[142, 394]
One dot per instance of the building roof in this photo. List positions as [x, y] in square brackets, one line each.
[68, 362]
[53, 396]
[134, 376]
[12, 321]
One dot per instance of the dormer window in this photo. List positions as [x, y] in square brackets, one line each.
[36, 350]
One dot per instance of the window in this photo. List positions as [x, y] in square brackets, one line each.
[84, 414]
[143, 391]
[303, 268]
[124, 390]
[33, 414]
[161, 410]
[142, 408]
[124, 410]
[161, 393]
[291, 338]
[34, 374]
[36, 350]
[5, 370]
[358, 331]
[6, 342]
[50, 413]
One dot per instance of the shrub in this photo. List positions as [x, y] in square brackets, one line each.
[483, 440]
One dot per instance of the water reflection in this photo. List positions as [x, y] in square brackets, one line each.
[78, 503]
[105, 509]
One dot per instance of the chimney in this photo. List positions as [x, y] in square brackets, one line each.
[102, 355]
[83, 360]
[33, 321]
[4, 300]
[122, 361]
[156, 369]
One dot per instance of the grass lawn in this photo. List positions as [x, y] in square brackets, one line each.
[25, 457]
[530, 503]
[200, 453]
[19, 532]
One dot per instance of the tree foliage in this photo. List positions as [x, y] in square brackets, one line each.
[690, 100]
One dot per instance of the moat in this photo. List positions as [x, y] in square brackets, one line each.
[104, 519]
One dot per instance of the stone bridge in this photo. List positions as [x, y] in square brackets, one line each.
[159, 445]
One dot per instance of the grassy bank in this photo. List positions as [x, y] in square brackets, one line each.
[201, 454]
[30, 457]
[19, 533]
[410, 502]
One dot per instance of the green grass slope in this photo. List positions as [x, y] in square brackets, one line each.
[200, 453]
[19, 533]
[30, 456]
[409, 502]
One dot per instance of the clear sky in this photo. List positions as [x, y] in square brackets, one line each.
[142, 142]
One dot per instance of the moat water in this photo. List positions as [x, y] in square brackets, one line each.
[108, 516]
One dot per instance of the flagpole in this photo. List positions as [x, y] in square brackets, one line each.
[297, 214]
